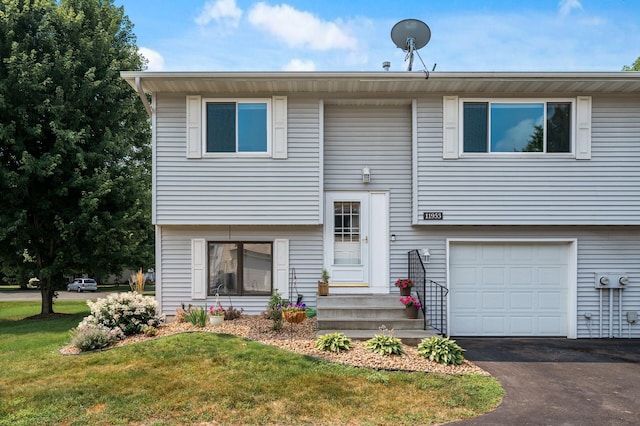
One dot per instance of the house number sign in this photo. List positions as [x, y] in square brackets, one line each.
[432, 216]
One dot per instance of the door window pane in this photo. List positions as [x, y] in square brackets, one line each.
[347, 242]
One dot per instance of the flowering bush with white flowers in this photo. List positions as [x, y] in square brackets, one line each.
[123, 314]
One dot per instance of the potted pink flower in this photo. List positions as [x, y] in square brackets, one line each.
[412, 305]
[404, 284]
[216, 315]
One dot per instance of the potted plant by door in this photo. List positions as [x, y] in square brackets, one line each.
[404, 284]
[411, 305]
[323, 284]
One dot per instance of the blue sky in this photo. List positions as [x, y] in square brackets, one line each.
[354, 35]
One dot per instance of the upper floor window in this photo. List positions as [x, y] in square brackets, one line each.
[505, 126]
[237, 126]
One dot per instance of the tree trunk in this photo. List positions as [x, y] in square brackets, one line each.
[46, 292]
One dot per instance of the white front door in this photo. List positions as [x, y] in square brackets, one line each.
[351, 230]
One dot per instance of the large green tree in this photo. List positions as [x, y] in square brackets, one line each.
[74, 143]
[634, 67]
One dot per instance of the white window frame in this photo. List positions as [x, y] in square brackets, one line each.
[269, 130]
[490, 101]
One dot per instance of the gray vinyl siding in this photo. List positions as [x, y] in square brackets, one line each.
[537, 191]
[378, 137]
[237, 190]
[599, 249]
[305, 255]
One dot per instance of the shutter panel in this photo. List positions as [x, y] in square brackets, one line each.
[194, 127]
[583, 133]
[281, 262]
[450, 119]
[198, 269]
[279, 135]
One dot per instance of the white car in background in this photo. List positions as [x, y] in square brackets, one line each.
[83, 284]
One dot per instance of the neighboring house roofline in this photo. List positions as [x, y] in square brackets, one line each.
[384, 83]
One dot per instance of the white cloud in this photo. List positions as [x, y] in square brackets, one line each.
[300, 29]
[566, 6]
[156, 60]
[299, 65]
[220, 11]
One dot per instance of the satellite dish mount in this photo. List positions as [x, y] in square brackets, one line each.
[410, 35]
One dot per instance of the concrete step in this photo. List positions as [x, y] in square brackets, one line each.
[358, 300]
[363, 315]
[370, 324]
[359, 312]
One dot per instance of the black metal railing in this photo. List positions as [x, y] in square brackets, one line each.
[432, 295]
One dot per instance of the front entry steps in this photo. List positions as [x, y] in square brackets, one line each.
[361, 317]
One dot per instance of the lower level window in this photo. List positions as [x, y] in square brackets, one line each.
[240, 268]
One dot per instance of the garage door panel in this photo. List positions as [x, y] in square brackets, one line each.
[520, 253]
[508, 289]
[521, 301]
[469, 325]
[552, 276]
[550, 301]
[551, 326]
[520, 325]
[496, 254]
[466, 276]
[492, 300]
[493, 276]
[521, 276]
[493, 326]
[468, 301]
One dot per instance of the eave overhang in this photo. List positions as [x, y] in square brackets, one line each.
[386, 84]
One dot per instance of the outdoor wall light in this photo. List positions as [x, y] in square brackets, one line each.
[393, 237]
[366, 175]
[426, 255]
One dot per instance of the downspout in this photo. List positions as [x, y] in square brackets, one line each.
[143, 97]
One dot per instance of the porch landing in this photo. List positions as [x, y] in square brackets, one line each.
[360, 316]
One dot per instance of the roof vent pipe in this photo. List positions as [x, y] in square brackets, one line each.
[386, 65]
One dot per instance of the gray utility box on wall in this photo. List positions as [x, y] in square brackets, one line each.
[611, 280]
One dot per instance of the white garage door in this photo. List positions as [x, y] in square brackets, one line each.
[508, 289]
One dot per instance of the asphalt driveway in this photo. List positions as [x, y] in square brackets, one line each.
[560, 381]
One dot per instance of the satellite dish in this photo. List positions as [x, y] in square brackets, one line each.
[410, 35]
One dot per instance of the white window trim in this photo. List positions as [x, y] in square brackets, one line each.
[266, 101]
[453, 130]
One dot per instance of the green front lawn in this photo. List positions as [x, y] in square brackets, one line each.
[206, 378]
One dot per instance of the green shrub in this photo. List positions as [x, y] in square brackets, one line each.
[334, 342]
[91, 338]
[123, 313]
[273, 309]
[441, 349]
[311, 312]
[385, 344]
[196, 316]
